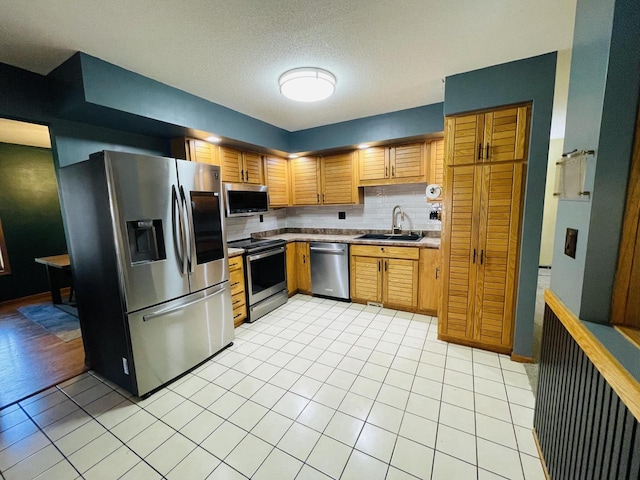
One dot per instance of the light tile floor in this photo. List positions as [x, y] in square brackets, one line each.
[317, 389]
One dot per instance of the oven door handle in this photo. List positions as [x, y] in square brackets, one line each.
[270, 253]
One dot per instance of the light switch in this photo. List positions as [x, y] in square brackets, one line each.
[570, 241]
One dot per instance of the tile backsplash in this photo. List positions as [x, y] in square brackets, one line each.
[374, 214]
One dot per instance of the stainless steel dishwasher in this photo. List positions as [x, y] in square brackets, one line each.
[330, 269]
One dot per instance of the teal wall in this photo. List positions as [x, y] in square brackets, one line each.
[528, 80]
[377, 128]
[31, 219]
[601, 112]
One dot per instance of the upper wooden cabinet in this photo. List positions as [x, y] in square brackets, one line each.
[324, 181]
[338, 180]
[195, 150]
[241, 167]
[391, 165]
[436, 165]
[496, 136]
[305, 181]
[277, 179]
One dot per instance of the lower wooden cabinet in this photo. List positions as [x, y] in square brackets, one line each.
[429, 282]
[292, 276]
[238, 296]
[303, 267]
[387, 275]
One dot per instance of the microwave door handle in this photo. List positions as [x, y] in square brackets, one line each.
[190, 230]
[181, 247]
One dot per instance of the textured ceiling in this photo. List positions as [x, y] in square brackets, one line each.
[387, 55]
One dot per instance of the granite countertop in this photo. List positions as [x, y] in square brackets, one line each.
[425, 242]
[234, 252]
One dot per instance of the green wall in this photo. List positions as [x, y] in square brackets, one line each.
[31, 219]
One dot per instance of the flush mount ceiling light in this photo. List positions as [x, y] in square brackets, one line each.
[307, 84]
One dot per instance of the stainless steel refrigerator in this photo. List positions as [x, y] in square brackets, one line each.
[149, 261]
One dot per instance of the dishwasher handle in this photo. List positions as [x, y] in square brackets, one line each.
[342, 251]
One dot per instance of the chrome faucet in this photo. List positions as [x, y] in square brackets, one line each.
[397, 229]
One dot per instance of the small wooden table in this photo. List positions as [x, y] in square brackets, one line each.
[57, 266]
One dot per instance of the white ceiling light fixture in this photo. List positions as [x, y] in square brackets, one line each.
[308, 84]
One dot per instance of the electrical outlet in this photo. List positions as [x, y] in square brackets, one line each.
[570, 242]
[342, 215]
[261, 219]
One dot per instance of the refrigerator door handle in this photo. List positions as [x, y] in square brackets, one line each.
[167, 311]
[190, 228]
[182, 248]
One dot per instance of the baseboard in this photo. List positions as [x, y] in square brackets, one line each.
[37, 297]
[544, 464]
[521, 358]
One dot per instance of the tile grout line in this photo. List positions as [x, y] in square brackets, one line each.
[51, 442]
[108, 430]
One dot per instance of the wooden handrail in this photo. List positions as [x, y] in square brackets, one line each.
[620, 380]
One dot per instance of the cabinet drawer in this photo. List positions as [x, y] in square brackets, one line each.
[409, 253]
[238, 300]
[236, 280]
[239, 314]
[235, 263]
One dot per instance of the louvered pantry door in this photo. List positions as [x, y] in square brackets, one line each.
[462, 189]
[464, 137]
[505, 134]
[499, 241]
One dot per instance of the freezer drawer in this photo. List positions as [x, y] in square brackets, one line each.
[169, 339]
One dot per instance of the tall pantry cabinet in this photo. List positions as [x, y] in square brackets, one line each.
[485, 166]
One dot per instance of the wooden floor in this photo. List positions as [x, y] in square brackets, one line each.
[32, 359]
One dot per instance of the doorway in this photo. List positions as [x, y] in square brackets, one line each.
[40, 341]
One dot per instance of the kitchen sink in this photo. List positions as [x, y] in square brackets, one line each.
[414, 237]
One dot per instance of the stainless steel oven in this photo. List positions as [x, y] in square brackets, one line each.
[265, 275]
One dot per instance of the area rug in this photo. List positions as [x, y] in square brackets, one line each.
[56, 321]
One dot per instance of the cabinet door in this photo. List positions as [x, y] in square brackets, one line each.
[408, 163]
[505, 135]
[400, 285]
[464, 140]
[277, 181]
[231, 165]
[460, 250]
[436, 165]
[305, 181]
[292, 278]
[338, 183]
[366, 278]
[373, 165]
[252, 168]
[203, 152]
[429, 283]
[499, 241]
[303, 267]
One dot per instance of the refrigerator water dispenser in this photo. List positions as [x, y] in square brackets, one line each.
[146, 241]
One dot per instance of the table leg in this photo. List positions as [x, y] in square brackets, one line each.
[54, 284]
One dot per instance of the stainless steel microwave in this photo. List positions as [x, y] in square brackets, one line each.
[242, 200]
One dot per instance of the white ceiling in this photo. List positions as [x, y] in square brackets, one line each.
[388, 55]
[22, 133]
